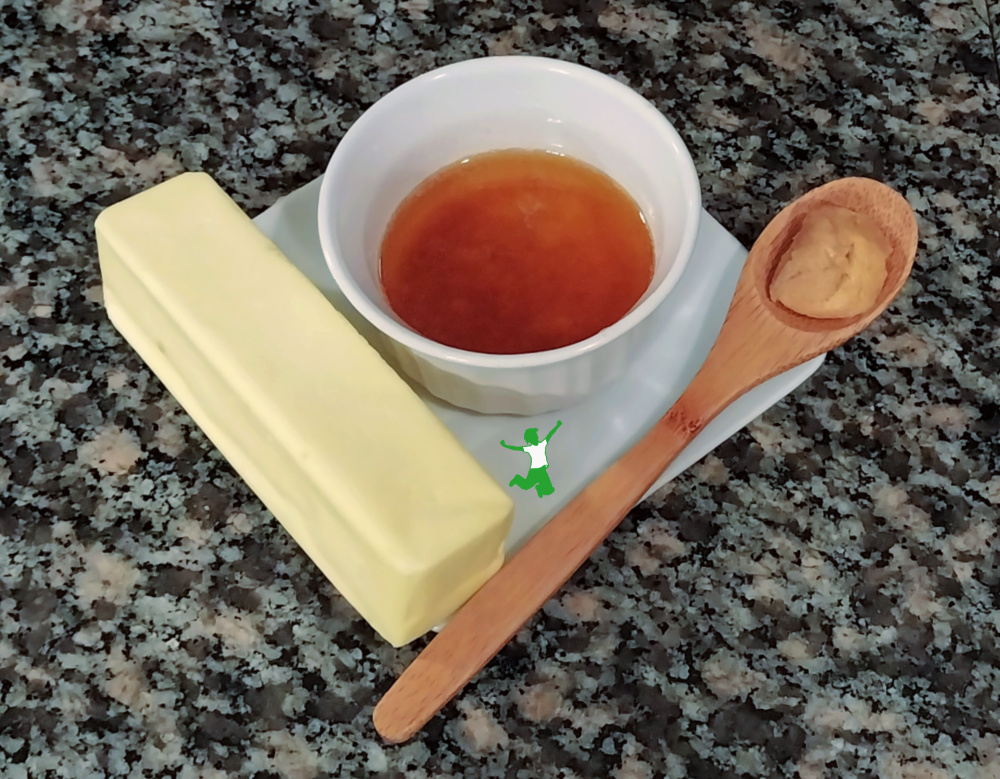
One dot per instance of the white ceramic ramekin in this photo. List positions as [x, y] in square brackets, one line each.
[502, 103]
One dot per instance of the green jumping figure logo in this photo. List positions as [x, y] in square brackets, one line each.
[538, 473]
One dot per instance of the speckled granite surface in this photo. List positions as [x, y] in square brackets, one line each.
[819, 598]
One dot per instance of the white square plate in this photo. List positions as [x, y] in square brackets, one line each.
[597, 431]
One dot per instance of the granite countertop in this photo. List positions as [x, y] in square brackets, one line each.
[820, 597]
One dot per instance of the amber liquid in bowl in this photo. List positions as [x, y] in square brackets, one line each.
[515, 251]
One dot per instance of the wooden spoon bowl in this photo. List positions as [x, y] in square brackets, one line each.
[759, 339]
[886, 208]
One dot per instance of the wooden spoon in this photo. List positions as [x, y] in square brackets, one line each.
[759, 340]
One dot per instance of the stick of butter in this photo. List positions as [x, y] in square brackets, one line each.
[391, 507]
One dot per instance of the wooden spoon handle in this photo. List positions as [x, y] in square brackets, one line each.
[491, 617]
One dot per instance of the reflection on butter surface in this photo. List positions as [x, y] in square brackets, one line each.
[835, 266]
[392, 508]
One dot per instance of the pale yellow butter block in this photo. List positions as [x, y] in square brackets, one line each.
[394, 510]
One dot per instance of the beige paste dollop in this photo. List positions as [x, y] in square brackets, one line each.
[835, 266]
